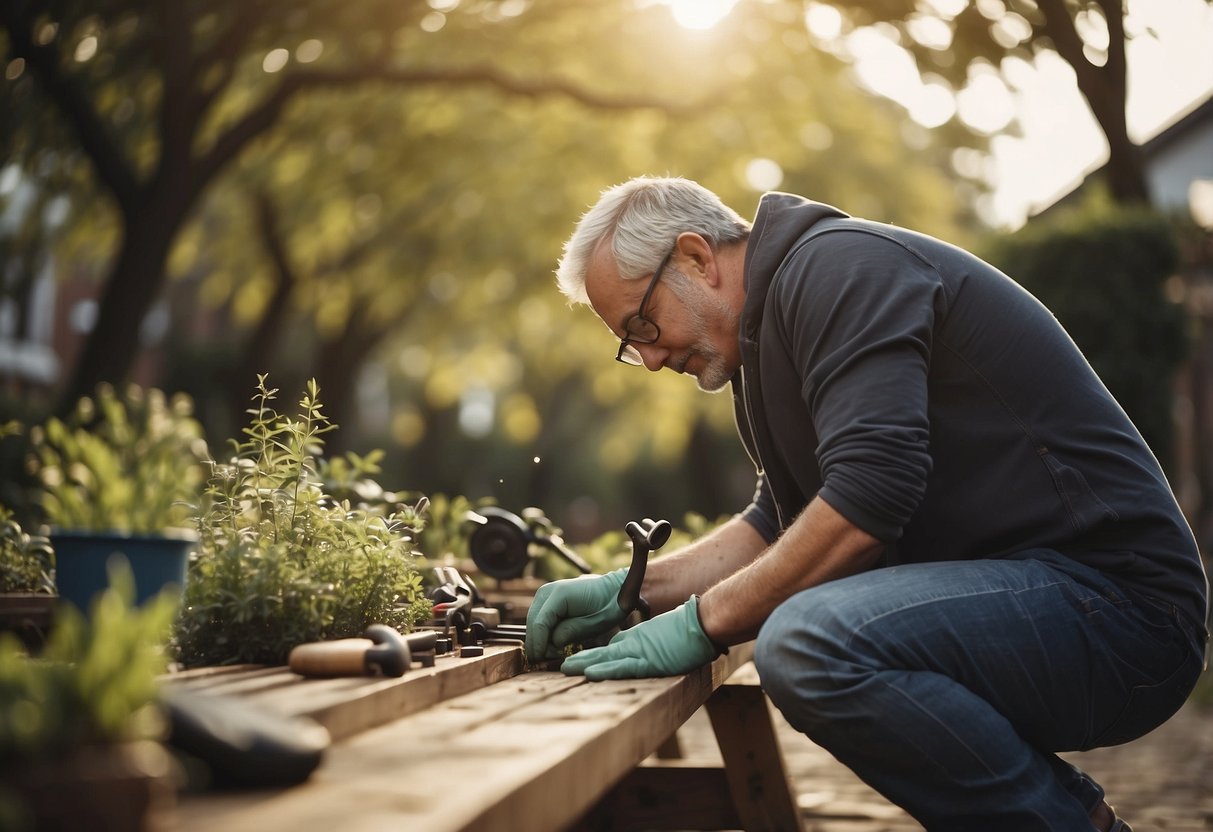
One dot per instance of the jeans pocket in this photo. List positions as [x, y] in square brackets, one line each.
[1149, 706]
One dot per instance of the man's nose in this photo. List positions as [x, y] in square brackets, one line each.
[653, 356]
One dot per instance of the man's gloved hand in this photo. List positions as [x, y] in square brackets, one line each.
[668, 645]
[572, 611]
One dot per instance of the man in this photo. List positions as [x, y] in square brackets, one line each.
[961, 556]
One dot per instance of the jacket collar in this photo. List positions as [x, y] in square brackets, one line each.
[780, 221]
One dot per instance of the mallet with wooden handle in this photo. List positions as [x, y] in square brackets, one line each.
[383, 650]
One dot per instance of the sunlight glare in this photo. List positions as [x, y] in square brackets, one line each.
[763, 174]
[824, 22]
[985, 103]
[934, 105]
[700, 14]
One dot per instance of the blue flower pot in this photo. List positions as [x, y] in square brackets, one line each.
[156, 561]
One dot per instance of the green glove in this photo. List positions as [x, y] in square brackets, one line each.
[572, 611]
[668, 645]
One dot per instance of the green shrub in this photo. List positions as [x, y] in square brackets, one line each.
[26, 560]
[129, 463]
[1102, 272]
[94, 682]
[447, 528]
[281, 561]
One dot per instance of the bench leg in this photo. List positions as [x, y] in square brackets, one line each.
[751, 791]
[753, 765]
[671, 749]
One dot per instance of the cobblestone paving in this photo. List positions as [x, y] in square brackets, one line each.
[1163, 781]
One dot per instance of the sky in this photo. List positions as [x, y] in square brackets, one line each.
[1168, 74]
[1170, 57]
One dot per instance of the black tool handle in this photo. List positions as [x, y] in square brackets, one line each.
[421, 641]
[646, 536]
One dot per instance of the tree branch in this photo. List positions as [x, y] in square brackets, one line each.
[179, 111]
[259, 119]
[1060, 28]
[112, 167]
[224, 51]
[1093, 80]
[1117, 66]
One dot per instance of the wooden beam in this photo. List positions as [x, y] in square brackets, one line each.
[347, 706]
[753, 764]
[532, 753]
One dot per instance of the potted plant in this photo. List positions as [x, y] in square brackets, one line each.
[26, 584]
[282, 560]
[78, 724]
[120, 476]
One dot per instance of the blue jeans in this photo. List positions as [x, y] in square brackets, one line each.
[948, 686]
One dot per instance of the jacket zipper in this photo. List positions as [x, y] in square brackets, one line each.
[762, 468]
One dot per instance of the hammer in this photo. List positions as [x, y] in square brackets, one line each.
[383, 650]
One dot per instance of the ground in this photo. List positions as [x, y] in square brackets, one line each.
[1163, 781]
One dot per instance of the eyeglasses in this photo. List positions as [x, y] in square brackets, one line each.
[639, 329]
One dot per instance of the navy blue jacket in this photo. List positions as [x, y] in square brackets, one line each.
[938, 406]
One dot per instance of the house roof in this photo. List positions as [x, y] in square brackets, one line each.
[1197, 114]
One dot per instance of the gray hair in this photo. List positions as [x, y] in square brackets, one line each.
[642, 218]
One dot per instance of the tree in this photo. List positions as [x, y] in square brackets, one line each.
[462, 189]
[950, 39]
[414, 224]
[157, 100]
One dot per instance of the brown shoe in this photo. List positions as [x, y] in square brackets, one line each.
[1105, 814]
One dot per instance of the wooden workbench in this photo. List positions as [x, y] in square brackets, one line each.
[476, 744]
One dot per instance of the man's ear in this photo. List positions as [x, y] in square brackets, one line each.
[695, 257]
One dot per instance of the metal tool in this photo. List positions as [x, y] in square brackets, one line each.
[463, 614]
[503, 544]
[646, 536]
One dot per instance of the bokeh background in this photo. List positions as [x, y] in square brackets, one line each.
[374, 194]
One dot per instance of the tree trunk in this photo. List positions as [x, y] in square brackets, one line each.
[1105, 88]
[337, 374]
[135, 279]
[264, 340]
[1126, 170]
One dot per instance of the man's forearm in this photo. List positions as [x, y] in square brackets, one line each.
[673, 578]
[820, 545]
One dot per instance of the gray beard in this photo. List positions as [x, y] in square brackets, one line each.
[715, 374]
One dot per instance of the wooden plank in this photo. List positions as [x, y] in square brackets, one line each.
[240, 683]
[753, 764]
[194, 675]
[346, 706]
[532, 753]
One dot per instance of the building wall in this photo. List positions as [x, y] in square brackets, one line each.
[1186, 158]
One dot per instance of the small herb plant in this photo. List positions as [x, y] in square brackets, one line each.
[447, 528]
[26, 560]
[128, 463]
[281, 561]
[94, 682]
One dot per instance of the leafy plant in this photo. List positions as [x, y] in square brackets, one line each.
[26, 560]
[447, 528]
[281, 560]
[131, 463]
[95, 681]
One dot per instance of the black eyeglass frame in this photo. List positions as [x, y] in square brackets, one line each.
[628, 354]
